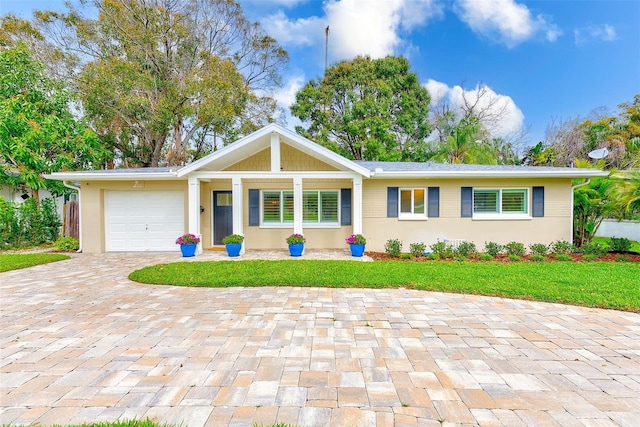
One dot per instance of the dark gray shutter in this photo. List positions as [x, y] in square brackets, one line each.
[345, 206]
[538, 201]
[254, 207]
[466, 205]
[434, 202]
[392, 202]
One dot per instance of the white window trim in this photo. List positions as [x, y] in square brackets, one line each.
[305, 224]
[404, 216]
[501, 216]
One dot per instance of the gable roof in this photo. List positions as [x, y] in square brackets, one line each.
[446, 170]
[260, 140]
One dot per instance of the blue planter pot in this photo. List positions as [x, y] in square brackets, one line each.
[188, 250]
[296, 249]
[233, 249]
[356, 249]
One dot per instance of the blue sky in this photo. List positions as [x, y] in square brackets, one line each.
[539, 60]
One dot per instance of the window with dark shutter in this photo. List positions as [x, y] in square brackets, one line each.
[254, 207]
[392, 202]
[434, 202]
[466, 202]
[345, 206]
[538, 201]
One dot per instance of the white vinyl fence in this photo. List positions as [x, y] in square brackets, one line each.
[613, 228]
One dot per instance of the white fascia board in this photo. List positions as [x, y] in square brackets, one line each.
[274, 175]
[320, 152]
[106, 176]
[237, 145]
[490, 174]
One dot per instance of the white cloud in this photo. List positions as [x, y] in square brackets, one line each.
[500, 114]
[288, 3]
[505, 20]
[300, 32]
[286, 95]
[368, 27]
[603, 32]
[357, 27]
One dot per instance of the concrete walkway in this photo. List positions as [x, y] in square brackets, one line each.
[82, 343]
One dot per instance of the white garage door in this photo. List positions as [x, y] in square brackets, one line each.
[143, 220]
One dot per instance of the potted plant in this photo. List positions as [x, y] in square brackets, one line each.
[233, 243]
[356, 244]
[296, 244]
[188, 244]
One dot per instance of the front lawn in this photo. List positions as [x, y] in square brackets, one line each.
[613, 285]
[15, 261]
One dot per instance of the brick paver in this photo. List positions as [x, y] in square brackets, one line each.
[81, 343]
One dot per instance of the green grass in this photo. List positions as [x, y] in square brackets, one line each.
[613, 285]
[635, 246]
[15, 261]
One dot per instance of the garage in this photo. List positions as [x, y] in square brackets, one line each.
[138, 221]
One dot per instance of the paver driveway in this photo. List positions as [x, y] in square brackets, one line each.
[80, 342]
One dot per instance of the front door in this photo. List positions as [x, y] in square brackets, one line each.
[222, 216]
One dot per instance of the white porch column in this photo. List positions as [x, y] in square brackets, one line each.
[275, 152]
[297, 205]
[236, 195]
[357, 205]
[193, 202]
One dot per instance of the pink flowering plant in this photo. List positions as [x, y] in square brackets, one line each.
[356, 239]
[295, 239]
[187, 239]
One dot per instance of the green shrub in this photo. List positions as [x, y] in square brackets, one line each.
[466, 249]
[589, 257]
[537, 257]
[417, 249]
[485, 257]
[619, 244]
[562, 257]
[433, 256]
[27, 223]
[67, 244]
[515, 248]
[561, 247]
[513, 257]
[594, 248]
[405, 256]
[622, 258]
[393, 247]
[460, 258]
[539, 249]
[493, 249]
[442, 250]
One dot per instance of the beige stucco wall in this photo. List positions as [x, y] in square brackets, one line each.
[92, 207]
[378, 228]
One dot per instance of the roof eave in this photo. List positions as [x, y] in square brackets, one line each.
[487, 174]
[110, 176]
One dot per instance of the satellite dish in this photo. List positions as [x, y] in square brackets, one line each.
[599, 154]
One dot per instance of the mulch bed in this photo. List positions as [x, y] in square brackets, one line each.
[610, 257]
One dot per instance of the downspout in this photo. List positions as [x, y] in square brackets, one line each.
[573, 188]
[73, 187]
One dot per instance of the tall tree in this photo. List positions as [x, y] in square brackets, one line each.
[38, 132]
[154, 74]
[366, 109]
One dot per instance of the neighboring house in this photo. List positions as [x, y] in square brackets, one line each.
[19, 195]
[274, 182]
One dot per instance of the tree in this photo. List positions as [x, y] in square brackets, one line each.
[467, 133]
[462, 146]
[157, 76]
[366, 109]
[38, 132]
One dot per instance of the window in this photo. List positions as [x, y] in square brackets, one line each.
[500, 202]
[318, 207]
[413, 203]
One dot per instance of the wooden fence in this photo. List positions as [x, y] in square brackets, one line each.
[71, 221]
